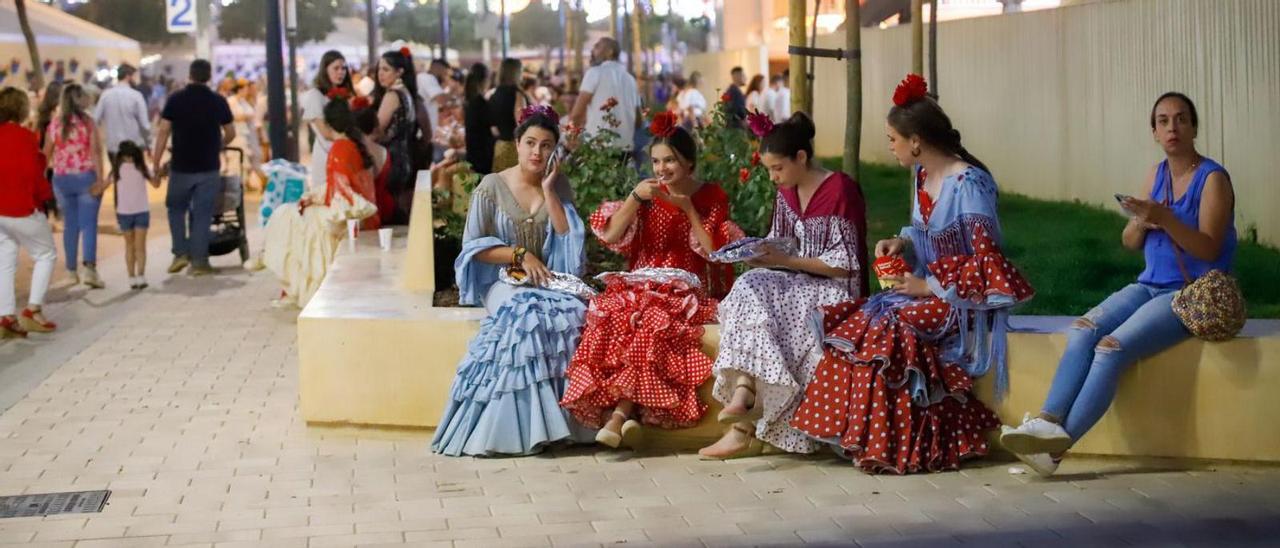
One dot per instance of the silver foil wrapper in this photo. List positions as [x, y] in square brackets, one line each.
[749, 248]
[559, 282]
[659, 275]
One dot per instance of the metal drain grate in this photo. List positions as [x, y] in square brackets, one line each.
[45, 504]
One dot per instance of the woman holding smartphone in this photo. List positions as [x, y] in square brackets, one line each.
[503, 400]
[1183, 224]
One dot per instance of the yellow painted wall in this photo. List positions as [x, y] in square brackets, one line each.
[1056, 102]
[373, 351]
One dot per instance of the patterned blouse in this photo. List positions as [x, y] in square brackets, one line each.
[74, 153]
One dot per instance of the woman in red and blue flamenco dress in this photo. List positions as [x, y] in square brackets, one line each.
[893, 391]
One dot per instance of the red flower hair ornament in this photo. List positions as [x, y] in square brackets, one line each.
[360, 103]
[405, 52]
[534, 110]
[912, 88]
[664, 124]
[338, 93]
[760, 124]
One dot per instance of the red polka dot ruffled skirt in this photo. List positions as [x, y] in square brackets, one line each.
[861, 397]
[642, 343]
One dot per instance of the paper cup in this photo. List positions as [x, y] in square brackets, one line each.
[384, 238]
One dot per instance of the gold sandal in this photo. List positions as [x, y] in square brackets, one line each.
[753, 414]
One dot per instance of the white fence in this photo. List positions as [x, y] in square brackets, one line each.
[1057, 102]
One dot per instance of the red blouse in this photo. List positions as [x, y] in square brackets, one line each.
[23, 187]
[661, 237]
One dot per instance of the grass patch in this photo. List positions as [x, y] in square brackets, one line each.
[1071, 252]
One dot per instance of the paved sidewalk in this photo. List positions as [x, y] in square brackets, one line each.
[184, 404]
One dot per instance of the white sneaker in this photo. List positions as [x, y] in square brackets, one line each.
[1041, 463]
[90, 278]
[1035, 435]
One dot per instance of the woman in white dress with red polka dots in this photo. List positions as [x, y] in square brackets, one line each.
[893, 389]
[768, 349]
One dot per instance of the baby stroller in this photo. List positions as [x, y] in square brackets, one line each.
[227, 232]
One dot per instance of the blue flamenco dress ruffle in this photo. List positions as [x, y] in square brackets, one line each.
[505, 395]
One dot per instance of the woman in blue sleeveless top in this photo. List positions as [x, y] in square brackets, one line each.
[1187, 208]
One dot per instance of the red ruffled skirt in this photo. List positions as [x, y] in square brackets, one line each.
[643, 344]
[882, 353]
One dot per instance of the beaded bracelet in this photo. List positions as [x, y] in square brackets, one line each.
[517, 257]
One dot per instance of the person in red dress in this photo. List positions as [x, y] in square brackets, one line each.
[893, 388]
[640, 355]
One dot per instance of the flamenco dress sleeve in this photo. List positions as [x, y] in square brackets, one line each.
[566, 252]
[475, 277]
[600, 223]
[980, 284]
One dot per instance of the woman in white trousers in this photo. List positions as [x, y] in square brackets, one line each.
[23, 191]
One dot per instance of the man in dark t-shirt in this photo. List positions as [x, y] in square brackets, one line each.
[201, 124]
[737, 100]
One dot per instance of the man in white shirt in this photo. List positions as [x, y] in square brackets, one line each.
[432, 93]
[782, 102]
[770, 95]
[608, 79]
[122, 112]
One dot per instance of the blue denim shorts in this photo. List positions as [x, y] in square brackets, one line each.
[134, 221]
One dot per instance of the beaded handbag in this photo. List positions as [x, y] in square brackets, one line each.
[1211, 306]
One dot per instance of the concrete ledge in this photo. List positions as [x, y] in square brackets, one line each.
[1196, 400]
[372, 352]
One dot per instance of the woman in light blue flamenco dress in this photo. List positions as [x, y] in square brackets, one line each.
[505, 396]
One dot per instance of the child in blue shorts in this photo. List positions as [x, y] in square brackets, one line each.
[130, 175]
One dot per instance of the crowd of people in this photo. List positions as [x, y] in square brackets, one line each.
[809, 358]
[82, 141]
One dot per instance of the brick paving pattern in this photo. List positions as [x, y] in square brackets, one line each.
[185, 406]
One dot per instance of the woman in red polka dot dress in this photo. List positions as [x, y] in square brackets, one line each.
[893, 388]
[641, 353]
[768, 351]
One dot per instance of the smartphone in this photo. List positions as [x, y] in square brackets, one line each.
[1121, 198]
[556, 156]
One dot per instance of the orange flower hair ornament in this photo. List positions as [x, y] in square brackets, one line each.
[912, 88]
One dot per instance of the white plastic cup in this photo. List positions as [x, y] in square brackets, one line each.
[384, 238]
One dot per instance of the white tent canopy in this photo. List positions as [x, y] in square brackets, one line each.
[62, 38]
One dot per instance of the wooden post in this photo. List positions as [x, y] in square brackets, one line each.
[933, 47]
[853, 83]
[917, 37]
[798, 66]
[637, 41]
[37, 70]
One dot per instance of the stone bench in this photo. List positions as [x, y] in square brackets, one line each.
[374, 352]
